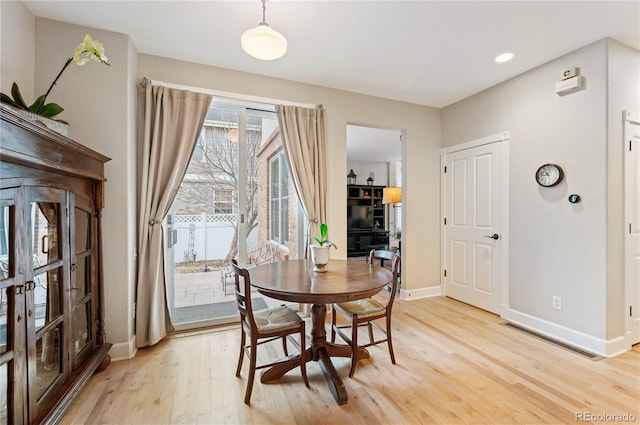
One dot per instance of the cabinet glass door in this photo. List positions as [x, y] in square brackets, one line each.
[44, 294]
[82, 294]
[8, 413]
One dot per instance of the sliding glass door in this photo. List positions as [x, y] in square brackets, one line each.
[229, 205]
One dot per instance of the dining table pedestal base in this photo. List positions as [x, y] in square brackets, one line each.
[321, 351]
[295, 281]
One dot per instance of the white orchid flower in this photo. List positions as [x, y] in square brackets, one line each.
[89, 49]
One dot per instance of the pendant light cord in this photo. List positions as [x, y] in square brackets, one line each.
[264, 11]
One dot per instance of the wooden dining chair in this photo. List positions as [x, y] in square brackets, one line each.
[364, 312]
[262, 326]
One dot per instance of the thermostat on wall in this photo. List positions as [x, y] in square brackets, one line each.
[570, 73]
[570, 85]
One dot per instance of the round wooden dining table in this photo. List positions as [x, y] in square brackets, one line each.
[295, 281]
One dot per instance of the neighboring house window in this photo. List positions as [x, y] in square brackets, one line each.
[222, 201]
[198, 151]
[279, 199]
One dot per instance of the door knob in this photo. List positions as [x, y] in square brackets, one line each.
[494, 236]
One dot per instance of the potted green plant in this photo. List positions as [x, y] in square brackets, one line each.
[320, 250]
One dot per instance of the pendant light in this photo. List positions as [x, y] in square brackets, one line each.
[263, 42]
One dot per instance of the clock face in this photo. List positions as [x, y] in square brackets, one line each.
[549, 175]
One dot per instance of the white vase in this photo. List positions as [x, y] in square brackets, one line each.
[320, 257]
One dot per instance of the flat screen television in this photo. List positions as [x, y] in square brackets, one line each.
[360, 217]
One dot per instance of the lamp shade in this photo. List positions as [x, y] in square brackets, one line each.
[263, 42]
[391, 195]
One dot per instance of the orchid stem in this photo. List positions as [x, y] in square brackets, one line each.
[57, 78]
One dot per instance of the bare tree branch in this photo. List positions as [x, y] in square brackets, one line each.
[214, 168]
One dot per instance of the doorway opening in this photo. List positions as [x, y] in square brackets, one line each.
[632, 226]
[374, 164]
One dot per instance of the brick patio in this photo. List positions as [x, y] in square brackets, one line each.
[199, 288]
[204, 288]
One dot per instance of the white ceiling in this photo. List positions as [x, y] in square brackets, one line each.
[373, 144]
[430, 53]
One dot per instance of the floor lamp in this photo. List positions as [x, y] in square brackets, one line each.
[393, 195]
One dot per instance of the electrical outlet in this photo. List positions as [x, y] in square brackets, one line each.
[557, 303]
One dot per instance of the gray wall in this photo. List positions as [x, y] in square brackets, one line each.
[558, 248]
[421, 259]
[17, 45]
[99, 104]
[363, 168]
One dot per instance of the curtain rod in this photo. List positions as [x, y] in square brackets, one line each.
[230, 95]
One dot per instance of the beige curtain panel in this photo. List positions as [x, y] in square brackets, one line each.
[303, 136]
[172, 123]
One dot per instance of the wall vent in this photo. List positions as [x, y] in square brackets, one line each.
[560, 344]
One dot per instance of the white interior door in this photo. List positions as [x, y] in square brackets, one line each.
[473, 230]
[632, 215]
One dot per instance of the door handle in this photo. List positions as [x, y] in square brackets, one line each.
[495, 236]
[173, 237]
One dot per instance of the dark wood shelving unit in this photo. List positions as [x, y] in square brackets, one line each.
[366, 220]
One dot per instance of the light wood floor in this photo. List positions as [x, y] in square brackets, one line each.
[455, 365]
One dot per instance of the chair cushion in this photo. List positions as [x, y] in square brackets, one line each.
[363, 308]
[276, 318]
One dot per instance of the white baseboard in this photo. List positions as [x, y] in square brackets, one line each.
[504, 311]
[123, 350]
[415, 294]
[601, 347]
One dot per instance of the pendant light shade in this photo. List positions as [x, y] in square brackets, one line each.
[263, 42]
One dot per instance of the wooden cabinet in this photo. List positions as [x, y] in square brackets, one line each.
[366, 220]
[52, 336]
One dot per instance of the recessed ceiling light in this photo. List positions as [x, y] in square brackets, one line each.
[504, 57]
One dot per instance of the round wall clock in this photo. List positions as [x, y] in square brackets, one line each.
[549, 175]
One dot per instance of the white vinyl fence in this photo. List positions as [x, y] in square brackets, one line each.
[206, 237]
